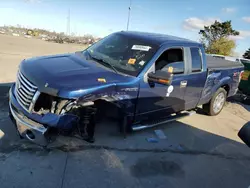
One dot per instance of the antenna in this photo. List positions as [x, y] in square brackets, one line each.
[129, 9]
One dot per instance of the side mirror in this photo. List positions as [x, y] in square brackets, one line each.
[244, 134]
[160, 77]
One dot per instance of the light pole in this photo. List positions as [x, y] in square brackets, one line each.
[129, 8]
[68, 23]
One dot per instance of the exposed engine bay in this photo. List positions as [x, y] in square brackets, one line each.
[76, 118]
[84, 115]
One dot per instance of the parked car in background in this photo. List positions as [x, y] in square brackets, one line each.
[243, 60]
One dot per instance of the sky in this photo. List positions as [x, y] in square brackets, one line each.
[183, 18]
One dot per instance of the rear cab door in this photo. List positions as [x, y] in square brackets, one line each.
[197, 75]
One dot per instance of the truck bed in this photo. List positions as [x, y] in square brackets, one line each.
[220, 73]
[217, 63]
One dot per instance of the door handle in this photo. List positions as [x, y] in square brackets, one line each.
[183, 83]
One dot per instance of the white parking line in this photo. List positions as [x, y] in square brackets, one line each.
[1, 134]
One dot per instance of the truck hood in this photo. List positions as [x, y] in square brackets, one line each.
[68, 73]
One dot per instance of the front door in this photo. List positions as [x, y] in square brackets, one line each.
[158, 101]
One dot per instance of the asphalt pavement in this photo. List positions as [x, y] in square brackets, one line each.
[199, 151]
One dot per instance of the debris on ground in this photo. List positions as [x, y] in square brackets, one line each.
[152, 140]
[180, 147]
[160, 134]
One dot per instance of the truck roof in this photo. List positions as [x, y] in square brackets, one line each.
[159, 39]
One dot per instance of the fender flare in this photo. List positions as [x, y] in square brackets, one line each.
[222, 83]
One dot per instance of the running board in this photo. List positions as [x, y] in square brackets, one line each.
[170, 119]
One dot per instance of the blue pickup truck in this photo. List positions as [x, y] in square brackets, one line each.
[143, 79]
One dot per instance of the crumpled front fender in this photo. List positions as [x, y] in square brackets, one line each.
[65, 121]
[123, 99]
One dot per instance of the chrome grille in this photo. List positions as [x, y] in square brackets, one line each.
[24, 91]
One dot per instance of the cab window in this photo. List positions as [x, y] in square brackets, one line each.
[171, 58]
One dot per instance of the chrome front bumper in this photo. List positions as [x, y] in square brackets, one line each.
[28, 128]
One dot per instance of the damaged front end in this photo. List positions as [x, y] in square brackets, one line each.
[49, 116]
[41, 115]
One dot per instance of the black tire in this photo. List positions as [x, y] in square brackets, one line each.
[244, 134]
[208, 108]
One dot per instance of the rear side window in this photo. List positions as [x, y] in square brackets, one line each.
[196, 60]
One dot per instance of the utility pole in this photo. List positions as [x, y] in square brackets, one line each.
[68, 23]
[129, 9]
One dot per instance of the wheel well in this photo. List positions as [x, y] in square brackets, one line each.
[226, 87]
[107, 109]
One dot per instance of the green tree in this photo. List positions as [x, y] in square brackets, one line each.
[247, 54]
[222, 46]
[215, 37]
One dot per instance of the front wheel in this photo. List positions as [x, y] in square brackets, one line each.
[217, 103]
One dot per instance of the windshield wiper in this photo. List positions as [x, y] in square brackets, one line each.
[102, 61]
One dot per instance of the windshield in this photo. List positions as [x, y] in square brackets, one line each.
[245, 61]
[125, 54]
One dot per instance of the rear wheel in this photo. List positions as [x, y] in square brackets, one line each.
[217, 103]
